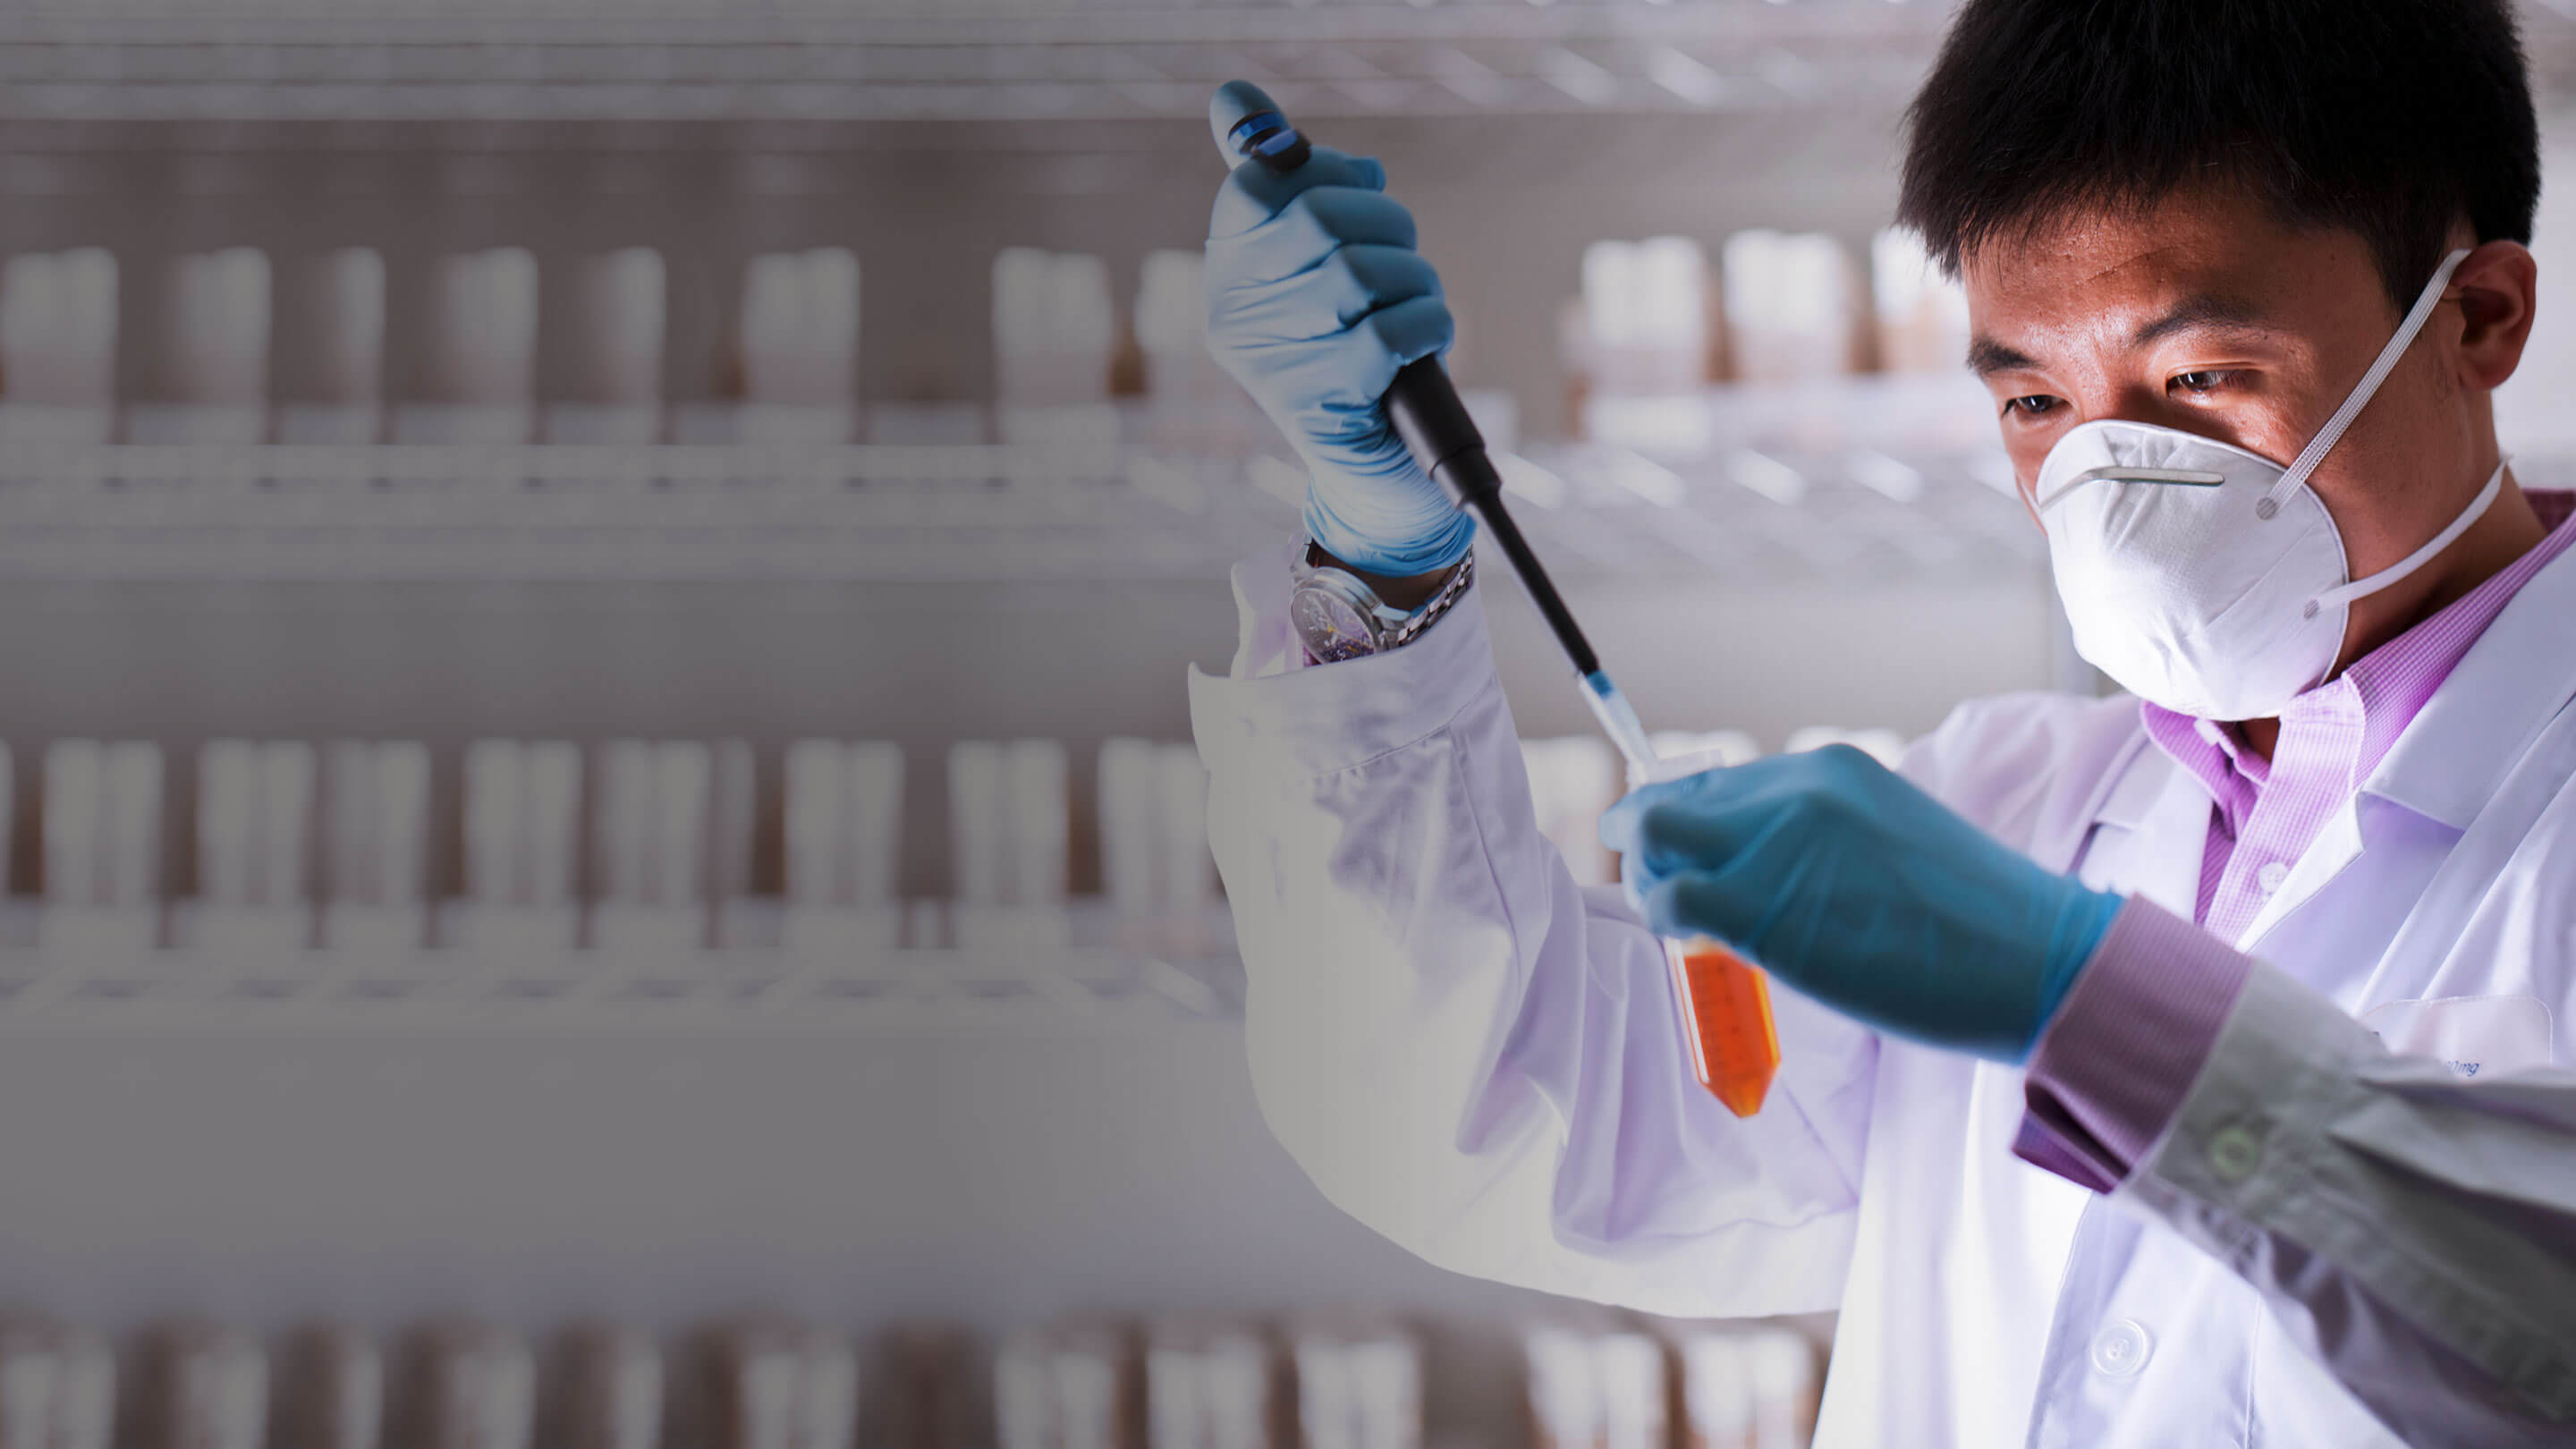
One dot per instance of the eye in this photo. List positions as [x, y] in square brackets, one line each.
[2201, 383]
[2035, 405]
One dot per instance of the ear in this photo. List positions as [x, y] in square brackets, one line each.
[2494, 288]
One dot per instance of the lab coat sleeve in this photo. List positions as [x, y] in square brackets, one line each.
[2414, 1229]
[1461, 1047]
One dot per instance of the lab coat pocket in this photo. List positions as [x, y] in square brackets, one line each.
[2474, 1036]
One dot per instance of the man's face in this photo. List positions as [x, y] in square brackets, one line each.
[2209, 315]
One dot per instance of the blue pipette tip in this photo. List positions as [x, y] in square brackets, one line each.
[1619, 721]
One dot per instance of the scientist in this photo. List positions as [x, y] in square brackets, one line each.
[2178, 1068]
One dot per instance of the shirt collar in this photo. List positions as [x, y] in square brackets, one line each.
[2503, 686]
[2387, 688]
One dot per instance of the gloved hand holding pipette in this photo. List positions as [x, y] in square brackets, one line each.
[1315, 298]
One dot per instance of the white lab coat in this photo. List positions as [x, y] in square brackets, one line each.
[1480, 1059]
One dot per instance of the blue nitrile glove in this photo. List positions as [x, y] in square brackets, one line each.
[1315, 297]
[1853, 886]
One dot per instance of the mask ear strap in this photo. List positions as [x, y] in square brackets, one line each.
[2336, 598]
[2315, 452]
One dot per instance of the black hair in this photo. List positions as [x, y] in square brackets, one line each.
[2395, 119]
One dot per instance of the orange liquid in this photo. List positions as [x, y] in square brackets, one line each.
[1726, 1019]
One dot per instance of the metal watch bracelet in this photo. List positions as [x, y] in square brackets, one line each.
[1450, 592]
[1406, 628]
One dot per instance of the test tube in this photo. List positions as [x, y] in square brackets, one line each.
[1039, 817]
[1781, 1367]
[650, 845]
[916, 1388]
[873, 775]
[782, 1384]
[351, 302]
[1189, 867]
[482, 1389]
[1922, 315]
[1564, 1390]
[616, 1388]
[495, 806]
[827, 1409]
[817, 824]
[133, 821]
[554, 799]
[481, 351]
[338, 1382]
[1646, 315]
[1055, 339]
[29, 1369]
[733, 825]
[844, 801]
[684, 786]
[214, 1388]
[254, 829]
[1208, 1386]
[58, 344]
[227, 824]
[376, 832]
[331, 319]
[975, 806]
[1067, 1386]
[522, 801]
[1008, 816]
[84, 1390]
[487, 320]
[1725, 1001]
[1359, 1384]
[798, 341]
[620, 298]
[754, 1385]
[75, 804]
[654, 823]
[1127, 833]
[219, 327]
[1791, 305]
[1717, 1395]
[1635, 1389]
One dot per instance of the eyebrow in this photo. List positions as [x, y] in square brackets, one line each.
[2205, 310]
[1987, 357]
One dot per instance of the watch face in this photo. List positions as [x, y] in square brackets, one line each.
[1331, 627]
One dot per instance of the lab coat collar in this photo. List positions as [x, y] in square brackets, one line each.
[2468, 737]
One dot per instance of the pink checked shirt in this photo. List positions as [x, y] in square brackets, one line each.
[2117, 1061]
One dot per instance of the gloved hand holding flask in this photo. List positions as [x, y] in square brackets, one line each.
[1845, 881]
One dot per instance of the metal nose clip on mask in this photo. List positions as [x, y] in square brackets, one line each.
[2202, 577]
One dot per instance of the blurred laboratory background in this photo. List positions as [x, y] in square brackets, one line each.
[602, 848]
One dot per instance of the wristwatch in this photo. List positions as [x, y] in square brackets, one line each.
[1338, 616]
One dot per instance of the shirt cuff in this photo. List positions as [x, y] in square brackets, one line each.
[1315, 719]
[2110, 1072]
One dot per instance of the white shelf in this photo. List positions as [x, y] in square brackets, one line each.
[889, 994]
[1774, 481]
[935, 60]
[959, 60]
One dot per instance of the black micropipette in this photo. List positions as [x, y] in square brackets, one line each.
[1424, 408]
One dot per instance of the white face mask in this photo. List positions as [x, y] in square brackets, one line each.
[2204, 578]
